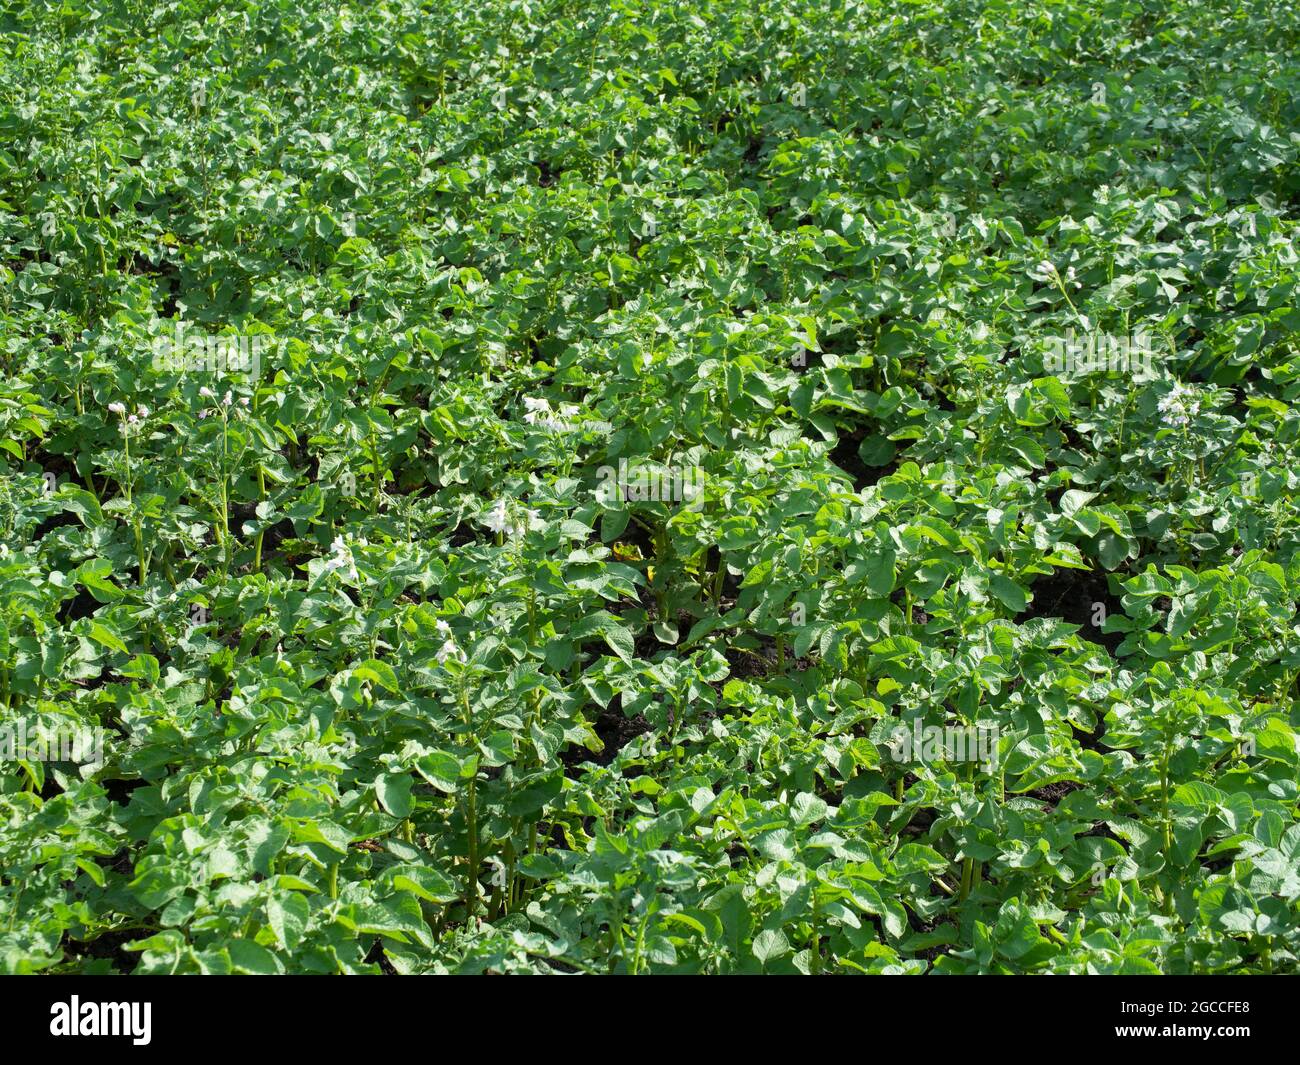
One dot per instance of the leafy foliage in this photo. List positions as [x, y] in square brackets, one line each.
[389, 683]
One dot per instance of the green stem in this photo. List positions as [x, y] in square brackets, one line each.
[374, 469]
[139, 550]
[815, 945]
[967, 872]
[471, 821]
[471, 878]
[261, 490]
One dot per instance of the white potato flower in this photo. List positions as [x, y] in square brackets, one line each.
[1179, 406]
[449, 649]
[497, 519]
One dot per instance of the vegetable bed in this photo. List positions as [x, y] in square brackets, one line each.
[584, 487]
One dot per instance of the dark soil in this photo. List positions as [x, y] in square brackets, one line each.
[615, 730]
[1069, 594]
[845, 456]
[108, 945]
[119, 791]
[1054, 793]
[378, 957]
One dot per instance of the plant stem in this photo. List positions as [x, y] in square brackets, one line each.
[471, 820]
[261, 490]
[967, 873]
[815, 945]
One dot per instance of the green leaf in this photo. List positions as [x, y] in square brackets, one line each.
[288, 915]
[877, 451]
[1009, 593]
[769, 944]
[378, 673]
[394, 793]
[424, 882]
[102, 635]
[440, 769]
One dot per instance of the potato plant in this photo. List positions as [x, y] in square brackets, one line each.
[587, 487]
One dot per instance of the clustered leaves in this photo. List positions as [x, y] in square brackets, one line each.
[389, 683]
